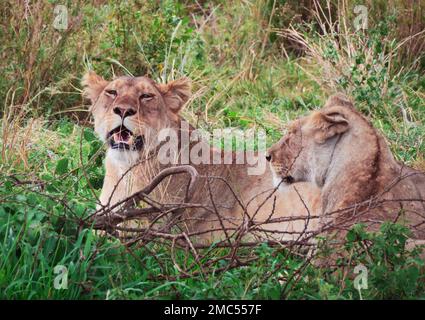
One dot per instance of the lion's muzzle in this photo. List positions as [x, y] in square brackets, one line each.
[122, 138]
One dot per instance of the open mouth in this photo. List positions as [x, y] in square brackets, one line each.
[123, 139]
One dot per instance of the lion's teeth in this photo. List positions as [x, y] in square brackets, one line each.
[118, 138]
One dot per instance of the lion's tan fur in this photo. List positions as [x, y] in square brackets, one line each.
[215, 195]
[339, 149]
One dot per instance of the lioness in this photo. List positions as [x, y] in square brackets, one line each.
[340, 151]
[129, 115]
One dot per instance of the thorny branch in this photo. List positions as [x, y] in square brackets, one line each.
[154, 222]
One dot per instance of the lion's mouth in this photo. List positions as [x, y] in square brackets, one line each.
[123, 139]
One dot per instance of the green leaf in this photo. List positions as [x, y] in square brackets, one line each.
[62, 166]
[89, 136]
[87, 245]
[351, 235]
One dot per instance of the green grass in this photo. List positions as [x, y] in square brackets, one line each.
[51, 167]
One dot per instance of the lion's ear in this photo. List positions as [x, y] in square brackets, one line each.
[176, 93]
[339, 99]
[93, 85]
[329, 123]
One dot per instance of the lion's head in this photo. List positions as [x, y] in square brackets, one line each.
[304, 153]
[129, 111]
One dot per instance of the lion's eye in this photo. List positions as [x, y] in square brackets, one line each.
[112, 93]
[146, 96]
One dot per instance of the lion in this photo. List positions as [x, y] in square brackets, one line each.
[340, 151]
[131, 113]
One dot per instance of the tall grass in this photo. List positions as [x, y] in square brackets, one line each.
[366, 65]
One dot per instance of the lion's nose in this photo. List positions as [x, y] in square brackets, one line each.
[268, 157]
[124, 112]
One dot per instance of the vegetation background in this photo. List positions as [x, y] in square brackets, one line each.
[254, 63]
